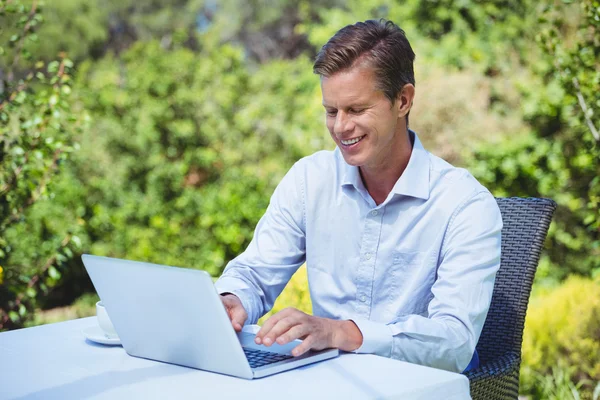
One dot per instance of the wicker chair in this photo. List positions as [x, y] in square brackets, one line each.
[526, 222]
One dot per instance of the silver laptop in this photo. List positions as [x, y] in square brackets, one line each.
[175, 315]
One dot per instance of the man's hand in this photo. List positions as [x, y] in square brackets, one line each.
[317, 333]
[235, 310]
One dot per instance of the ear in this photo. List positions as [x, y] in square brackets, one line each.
[405, 99]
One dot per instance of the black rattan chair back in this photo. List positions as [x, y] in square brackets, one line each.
[526, 222]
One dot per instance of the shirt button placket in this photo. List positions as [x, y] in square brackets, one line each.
[369, 246]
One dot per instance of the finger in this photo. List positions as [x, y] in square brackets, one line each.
[238, 317]
[283, 326]
[266, 327]
[296, 332]
[270, 323]
[235, 311]
[236, 325]
[303, 347]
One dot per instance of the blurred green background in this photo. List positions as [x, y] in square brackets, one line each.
[157, 131]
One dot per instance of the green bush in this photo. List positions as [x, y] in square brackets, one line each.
[559, 155]
[38, 125]
[562, 337]
[186, 149]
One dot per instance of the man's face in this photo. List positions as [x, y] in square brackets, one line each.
[363, 123]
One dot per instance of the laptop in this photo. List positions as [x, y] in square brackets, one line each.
[176, 316]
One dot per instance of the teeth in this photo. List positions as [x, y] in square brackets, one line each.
[351, 141]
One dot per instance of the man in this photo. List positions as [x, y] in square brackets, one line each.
[401, 248]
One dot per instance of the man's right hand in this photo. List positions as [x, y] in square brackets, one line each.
[235, 310]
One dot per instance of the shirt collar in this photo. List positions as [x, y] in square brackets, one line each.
[413, 182]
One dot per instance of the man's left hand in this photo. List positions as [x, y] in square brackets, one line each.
[316, 333]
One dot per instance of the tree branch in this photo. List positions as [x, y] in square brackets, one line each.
[584, 108]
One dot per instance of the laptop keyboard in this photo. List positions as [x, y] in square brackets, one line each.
[260, 358]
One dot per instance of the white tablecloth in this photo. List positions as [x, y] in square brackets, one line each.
[56, 362]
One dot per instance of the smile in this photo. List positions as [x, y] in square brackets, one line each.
[352, 141]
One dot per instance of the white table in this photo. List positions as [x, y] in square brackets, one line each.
[56, 362]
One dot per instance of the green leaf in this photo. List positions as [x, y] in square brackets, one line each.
[68, 252]
[53, 67]
[53, 273]
[21, 96]
[76, 241]
[14, 317]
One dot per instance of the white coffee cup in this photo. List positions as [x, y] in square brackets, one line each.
[104, 321]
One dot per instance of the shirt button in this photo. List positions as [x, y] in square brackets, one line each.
[363, 298]
[374, 213]
[368, 256]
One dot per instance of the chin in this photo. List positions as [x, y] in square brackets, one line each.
[352, 160]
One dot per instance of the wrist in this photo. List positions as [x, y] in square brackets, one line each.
[347, 336]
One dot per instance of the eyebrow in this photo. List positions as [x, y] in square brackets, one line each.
[355, 105]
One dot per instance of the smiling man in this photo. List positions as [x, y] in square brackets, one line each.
[401, 248]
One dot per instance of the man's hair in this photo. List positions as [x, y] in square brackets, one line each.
[381, 44]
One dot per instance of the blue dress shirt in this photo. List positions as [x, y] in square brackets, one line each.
[415, 273]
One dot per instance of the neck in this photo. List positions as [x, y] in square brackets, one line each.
[380, 179]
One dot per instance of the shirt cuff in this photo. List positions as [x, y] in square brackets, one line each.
[377, 338]
[236, 286]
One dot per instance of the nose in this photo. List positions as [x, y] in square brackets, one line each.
[343, 124]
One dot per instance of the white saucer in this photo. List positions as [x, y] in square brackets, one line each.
[97, 335]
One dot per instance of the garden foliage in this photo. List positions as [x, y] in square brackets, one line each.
[558, 156]
[198, 107]
[38, 123]
[562, 337]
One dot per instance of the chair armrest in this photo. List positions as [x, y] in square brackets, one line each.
[497, 379]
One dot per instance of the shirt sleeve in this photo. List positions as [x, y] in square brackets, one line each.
[462, 293]
[277, 250]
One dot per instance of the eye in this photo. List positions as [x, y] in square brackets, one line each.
[357, 111]
[331, 113]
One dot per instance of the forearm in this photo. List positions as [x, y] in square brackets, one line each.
[440, 342]
[444, 344]
[277, 249]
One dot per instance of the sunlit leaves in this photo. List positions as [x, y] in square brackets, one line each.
[37, 128]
